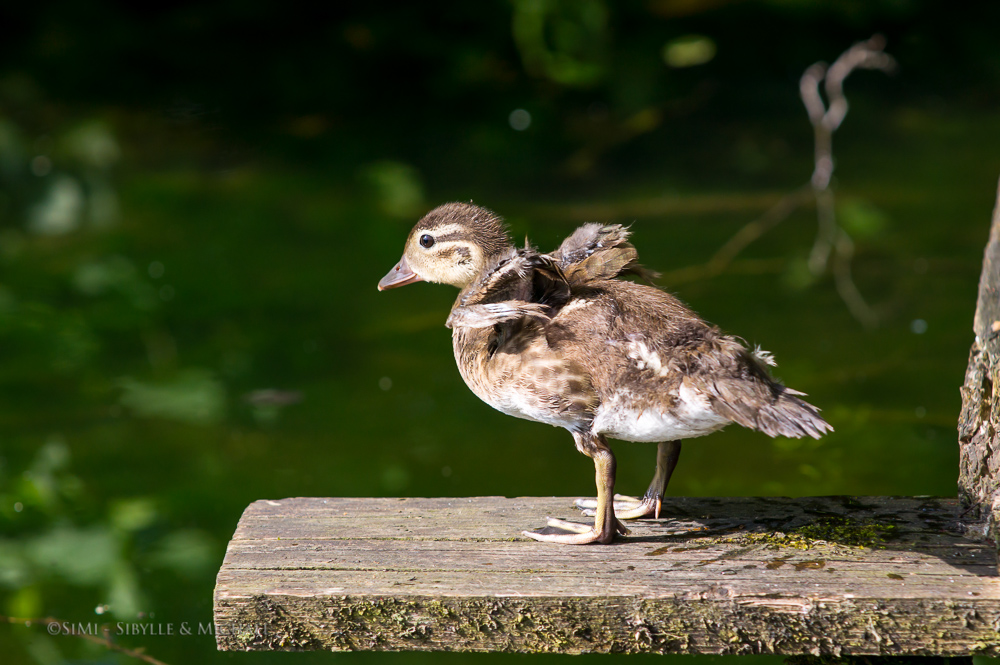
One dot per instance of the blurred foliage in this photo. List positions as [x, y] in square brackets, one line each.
[342, 83]
[55, 535]
[192, 396]
[861, 218]
[563, 40]
[689, 51]
[57, 184]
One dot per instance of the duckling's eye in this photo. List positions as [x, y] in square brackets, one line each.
[426, 241]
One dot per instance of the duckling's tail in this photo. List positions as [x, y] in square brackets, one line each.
[790, 416]
[749, 396]
[772, 409]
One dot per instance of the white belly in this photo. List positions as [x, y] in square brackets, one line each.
[691, 417]
[530, 410]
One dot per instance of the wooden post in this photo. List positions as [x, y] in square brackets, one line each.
[979, 422]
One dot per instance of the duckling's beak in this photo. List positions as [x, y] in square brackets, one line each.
[398, 276]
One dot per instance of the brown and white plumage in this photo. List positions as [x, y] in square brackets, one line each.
[559, 339]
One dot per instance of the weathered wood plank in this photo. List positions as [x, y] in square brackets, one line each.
[827, 575]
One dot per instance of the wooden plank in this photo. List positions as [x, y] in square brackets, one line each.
[821, 575]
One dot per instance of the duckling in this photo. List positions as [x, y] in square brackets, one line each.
[558, 338]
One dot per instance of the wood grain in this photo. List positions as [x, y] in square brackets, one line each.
[820, 575]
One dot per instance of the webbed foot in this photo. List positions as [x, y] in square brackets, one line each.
[626, 507]
[573, 533]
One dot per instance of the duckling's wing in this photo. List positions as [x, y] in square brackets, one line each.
[489, 314]
[590, 238]
[504, 296]
[504, 277]
[598, 251]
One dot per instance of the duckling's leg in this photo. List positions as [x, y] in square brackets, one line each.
[606, 525]
[630, 508]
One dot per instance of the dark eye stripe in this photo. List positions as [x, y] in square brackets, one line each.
[450, 252]
[451, 236]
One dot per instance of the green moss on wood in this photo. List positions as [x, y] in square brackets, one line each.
[838, 530]
[850, 532]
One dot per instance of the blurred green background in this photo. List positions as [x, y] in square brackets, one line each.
[197, 200]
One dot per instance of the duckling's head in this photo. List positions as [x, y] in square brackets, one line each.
[450, 245]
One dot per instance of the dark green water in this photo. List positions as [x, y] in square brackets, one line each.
[190, 263]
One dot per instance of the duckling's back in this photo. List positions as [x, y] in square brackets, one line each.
[661, 372]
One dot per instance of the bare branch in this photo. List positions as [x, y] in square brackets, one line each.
[833, 247]
[825, 121]
[724, 257]
[863, 55]
[809, 91]
[755, 229]
[845, 284]
[831, 240]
